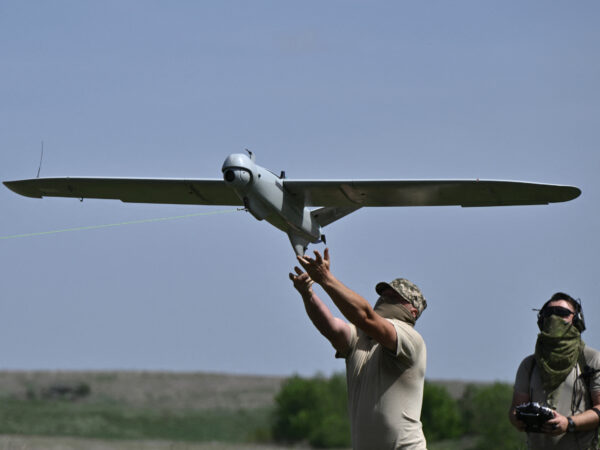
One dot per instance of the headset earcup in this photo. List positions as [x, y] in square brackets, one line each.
[578, 320]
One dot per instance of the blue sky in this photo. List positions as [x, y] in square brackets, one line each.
[338, 89]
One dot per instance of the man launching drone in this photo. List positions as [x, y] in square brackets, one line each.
[385, 356]
[556, 397]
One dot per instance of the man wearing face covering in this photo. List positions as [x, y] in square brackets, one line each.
[563, 374]
[385, 356]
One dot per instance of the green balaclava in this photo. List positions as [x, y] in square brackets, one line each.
[556, 351]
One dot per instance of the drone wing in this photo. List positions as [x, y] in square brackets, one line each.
[326, 193]
[131, 190]
[359, 193]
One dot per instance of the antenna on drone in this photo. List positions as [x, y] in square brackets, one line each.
[41, 158]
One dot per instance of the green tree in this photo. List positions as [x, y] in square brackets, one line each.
[485, 413]
[313, 410]
[467, 406]
[440, 415]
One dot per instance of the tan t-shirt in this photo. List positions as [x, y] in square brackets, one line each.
[528, 381]
[385, 390]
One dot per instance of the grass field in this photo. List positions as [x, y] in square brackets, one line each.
[69, 443]
[143, 410]
[113, 421]
[178, 407]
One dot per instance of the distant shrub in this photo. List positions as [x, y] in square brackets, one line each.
[63, 391]
[441, 416]
[484, 410]
[313, 410]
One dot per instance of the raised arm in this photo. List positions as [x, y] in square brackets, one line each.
[353, 306]
[334, 329]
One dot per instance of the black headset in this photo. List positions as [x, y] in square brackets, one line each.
[578, 320]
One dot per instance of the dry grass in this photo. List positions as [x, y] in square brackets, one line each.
[169, 390]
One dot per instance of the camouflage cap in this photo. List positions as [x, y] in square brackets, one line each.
[408, 290]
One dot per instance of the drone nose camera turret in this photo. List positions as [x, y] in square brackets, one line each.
[237, 177]
[229, 175]
[238, 170]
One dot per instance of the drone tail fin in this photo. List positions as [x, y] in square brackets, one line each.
[299, 243]
[325, 216]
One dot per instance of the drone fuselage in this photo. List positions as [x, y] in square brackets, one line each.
[265, 197]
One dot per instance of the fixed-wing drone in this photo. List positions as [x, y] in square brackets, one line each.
[299, 208]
